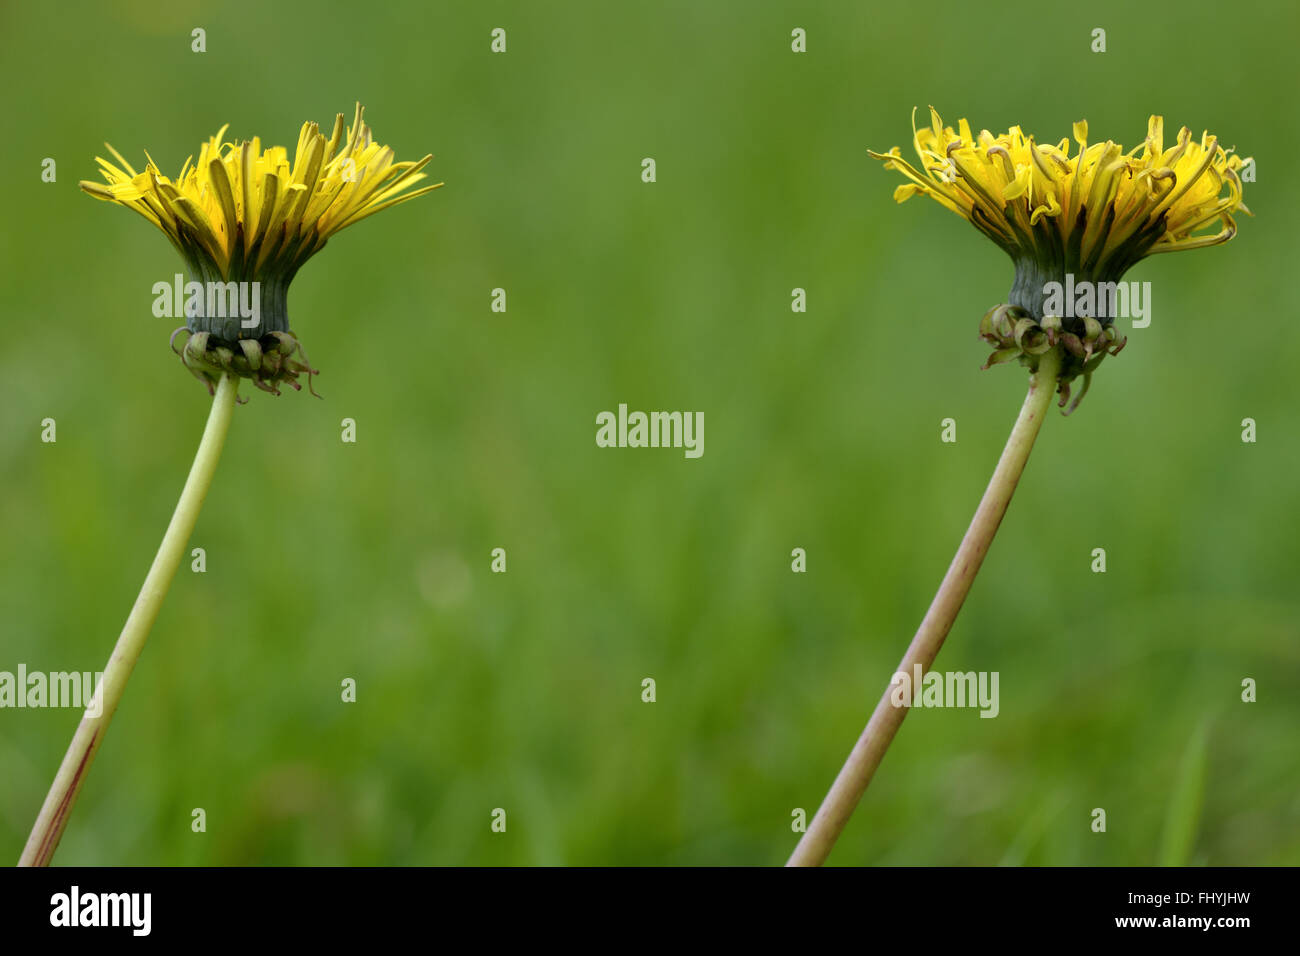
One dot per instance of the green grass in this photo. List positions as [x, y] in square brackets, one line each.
[476, 430]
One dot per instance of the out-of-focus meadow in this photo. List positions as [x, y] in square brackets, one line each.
[475, 430]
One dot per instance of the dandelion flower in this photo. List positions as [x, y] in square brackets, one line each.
[243, 219]
[242, 214]
[1090, 215]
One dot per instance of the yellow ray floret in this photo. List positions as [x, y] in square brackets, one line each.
[246, 210]
[1099, 209]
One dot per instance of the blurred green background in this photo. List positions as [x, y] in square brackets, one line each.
[476, 431]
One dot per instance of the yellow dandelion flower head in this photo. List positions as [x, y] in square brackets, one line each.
[242, 213]
[1092, 214]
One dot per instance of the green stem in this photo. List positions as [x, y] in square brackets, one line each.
[840, 802]
[67, 784]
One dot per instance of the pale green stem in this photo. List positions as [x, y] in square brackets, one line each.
[840, 802]
[67, 784]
